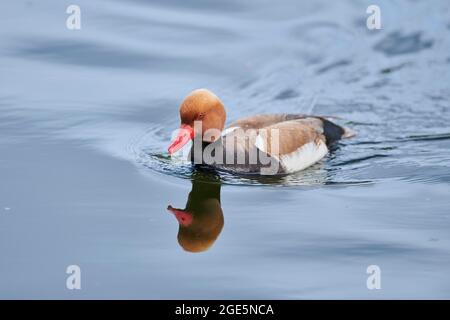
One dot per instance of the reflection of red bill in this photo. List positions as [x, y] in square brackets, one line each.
[185, 134]
[184, 217]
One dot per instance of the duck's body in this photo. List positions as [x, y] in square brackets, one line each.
[267, 144]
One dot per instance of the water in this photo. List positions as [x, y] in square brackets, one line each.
[86, 117]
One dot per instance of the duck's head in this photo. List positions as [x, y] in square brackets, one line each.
[200, 111]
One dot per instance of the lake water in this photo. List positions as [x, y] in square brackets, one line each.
[86, 117]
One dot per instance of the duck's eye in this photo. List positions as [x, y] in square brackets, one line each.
[201, 115]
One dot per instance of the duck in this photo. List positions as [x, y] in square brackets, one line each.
[263, 144]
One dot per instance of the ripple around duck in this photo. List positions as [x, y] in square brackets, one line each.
[147, 153]
[350, 162]
[314, 176]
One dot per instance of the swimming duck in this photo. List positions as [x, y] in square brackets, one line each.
[259, 144]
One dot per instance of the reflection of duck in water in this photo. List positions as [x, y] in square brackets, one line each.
[202, 220]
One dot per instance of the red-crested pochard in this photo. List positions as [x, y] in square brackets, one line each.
[260, 144]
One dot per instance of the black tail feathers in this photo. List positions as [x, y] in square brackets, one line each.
[332, 131]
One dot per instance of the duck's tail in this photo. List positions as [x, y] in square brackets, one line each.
[348, 133]
[334, 132]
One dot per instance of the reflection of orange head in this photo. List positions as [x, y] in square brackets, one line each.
[199, 229]
[184, 217]
[201, 221]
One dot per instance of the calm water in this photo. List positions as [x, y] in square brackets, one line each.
[86, 116]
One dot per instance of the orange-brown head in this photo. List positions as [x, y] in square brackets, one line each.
[203, 106]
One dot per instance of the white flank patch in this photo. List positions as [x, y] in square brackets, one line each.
[303, 157]
[228, 130]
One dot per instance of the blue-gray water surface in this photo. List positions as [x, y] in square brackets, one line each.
[86, 117]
